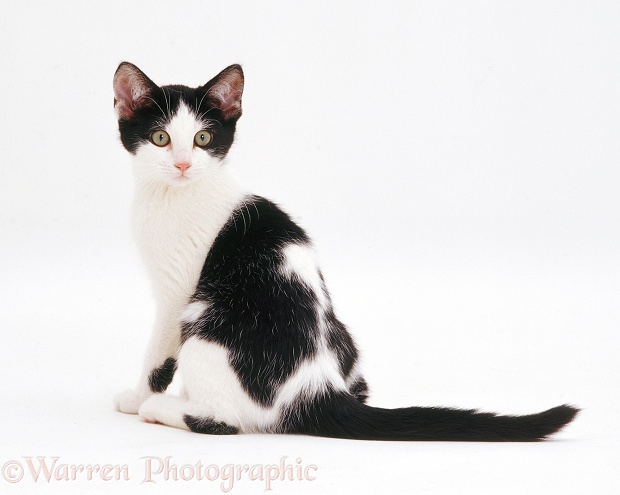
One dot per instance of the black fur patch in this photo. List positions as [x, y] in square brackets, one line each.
[208, 426]
[267, 320]
[340, 415]
[340, 341]
[160, 378]
[359, 389]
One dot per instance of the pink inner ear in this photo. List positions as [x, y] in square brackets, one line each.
[123, 100]
[226, 93]
[129, 90]
[122, 88]
[231, 105]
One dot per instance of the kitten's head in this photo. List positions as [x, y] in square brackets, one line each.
[176, 133]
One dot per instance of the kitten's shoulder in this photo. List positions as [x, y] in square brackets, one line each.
[258, 224]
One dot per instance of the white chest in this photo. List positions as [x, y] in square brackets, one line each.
[175, 228]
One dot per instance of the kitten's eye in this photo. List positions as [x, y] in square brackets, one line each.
[202, 138]
[160, 138]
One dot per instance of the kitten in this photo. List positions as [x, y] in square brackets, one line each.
[242, 309]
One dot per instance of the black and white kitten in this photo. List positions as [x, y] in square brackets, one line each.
[242, 310]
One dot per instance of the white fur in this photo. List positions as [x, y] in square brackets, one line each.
[176, 218]
[157, 164]
[300, 262]
[312, 377]
[176, 224]
[193, 311]
[175, 221]
[211, 386]
[213, 389]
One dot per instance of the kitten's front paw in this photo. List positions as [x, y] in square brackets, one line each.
[129, 401]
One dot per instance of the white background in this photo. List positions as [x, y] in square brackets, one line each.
[456, 164]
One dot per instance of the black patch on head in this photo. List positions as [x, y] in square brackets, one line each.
[160, 104]
[268, 321]
[160, 378]
[208, 426]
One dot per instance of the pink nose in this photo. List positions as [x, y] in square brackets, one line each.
[183, 166]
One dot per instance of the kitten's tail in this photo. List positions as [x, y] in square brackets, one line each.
[340, 415]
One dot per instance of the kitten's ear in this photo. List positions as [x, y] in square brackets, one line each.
[132, 90]
[224, 91]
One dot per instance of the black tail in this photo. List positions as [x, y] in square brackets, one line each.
[339, 415]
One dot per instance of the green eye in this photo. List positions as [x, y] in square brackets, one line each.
[160, 138]
[202, 138]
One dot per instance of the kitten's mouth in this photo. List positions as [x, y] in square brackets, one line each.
[179, 180]
[182, 167]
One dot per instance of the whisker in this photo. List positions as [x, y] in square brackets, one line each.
[249, 214]
[162, 110]
[200, 104]
[245, 227]
[167, 99]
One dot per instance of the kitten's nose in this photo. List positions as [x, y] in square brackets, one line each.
[182, 166]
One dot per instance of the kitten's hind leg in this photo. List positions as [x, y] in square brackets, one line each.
[182, 413]
[165, 409]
